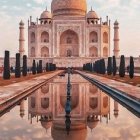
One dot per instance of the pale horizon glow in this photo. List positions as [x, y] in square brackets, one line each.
[125, 11]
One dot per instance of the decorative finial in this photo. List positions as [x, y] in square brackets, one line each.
[21, 22]
[46, 8]
[91, 8]
[116, 22]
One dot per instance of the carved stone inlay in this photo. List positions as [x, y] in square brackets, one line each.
[75, 28]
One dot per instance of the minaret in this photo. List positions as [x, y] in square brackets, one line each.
[116, 39]
[21, 39]
[22, 110]
[116, 109]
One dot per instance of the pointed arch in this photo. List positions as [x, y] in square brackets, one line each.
[45, 103]
[105, 37]
[32, 37]
[69, 44]
[32, 52]
[105, 52]
[105, 102]
[93, 37]
[45, 37]
[44, 52]
[93, 52]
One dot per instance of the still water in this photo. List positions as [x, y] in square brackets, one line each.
[94, 115]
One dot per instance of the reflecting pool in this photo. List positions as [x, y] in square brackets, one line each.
[94, 115]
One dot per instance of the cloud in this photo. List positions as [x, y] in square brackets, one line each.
[40, 1]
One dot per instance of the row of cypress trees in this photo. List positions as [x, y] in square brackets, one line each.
[99, 67]
[6, 72]
[36, 68]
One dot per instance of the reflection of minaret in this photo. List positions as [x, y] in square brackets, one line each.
[21, 39]
[116, 109]
[116, 39]
[22, 109]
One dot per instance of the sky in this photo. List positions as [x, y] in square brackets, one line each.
[127, 12]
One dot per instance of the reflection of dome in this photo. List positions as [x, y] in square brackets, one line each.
[74, 101]
[92, 15]
[46, 15]
[46, 124]
[78, 131]
[69, 7]
[45, 89]
[92, 122]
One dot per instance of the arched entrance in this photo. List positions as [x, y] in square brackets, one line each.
[44, 52]
[69, 44]
[105, 52]
[93, 52]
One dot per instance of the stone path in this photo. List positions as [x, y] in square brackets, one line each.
[11, 91]
[129, 90]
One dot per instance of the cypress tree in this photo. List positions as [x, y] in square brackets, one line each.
[17, 68]
[40, 66]
[37, 68]
[103, 69]
[6, 72]
[122, 66]
[131, 68]
[34, 68]
[50, 67]
[109, 66]
[24, 72]
[114, 66]
[95, 66]
[47, 67]
[90, 67]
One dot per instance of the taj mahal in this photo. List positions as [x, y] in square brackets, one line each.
[69, 35]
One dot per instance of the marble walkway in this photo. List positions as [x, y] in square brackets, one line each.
[11, 91]
[129, 90]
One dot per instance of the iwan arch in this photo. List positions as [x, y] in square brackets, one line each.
[69, 35]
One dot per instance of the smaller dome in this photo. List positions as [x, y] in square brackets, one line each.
[92, 14]
[46, 14]
[46, 124]
[92, 122]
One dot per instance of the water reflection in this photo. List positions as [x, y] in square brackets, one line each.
[89, 107]
[94, 115]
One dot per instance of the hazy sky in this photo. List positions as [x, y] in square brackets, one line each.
[127, 12]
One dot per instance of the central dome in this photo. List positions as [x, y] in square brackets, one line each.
[69, 7]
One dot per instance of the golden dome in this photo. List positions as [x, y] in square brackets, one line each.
[46, 15]
[69, 7]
